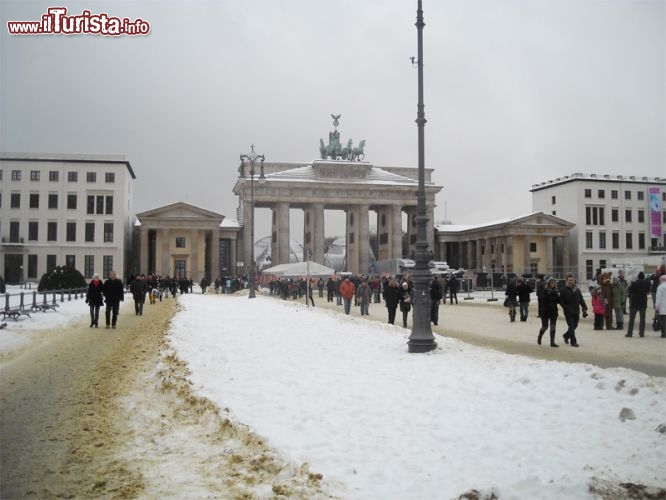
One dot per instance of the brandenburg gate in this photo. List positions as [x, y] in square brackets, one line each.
[340, 180]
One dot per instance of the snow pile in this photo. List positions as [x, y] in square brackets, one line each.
[343, 395]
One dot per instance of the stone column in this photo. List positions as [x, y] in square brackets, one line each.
[479, 255]
[194, 255]
[396, 232]
[164, 252]
[214, 254]
[508, 252]
[233, 257]
[549, 255]
[317, 244]
[144, 249]
[566, 256]
[384, 225]
[352, 238]
[282, 234]
[364, 239]
[527, 260]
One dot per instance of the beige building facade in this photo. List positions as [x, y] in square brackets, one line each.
[184, 241]
[533, 244]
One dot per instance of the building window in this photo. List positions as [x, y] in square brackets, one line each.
[602, 240]
[70, 230]
[108, 232]
[32, 266]
[594, 216]
[663, 217]
[88, 266]
[627, 195]
[34, 200]
[533, 247]
[615, 215]
[15, 200]
[588, 240]
[602, 264]
[99, 205]
[110, 177]
[641, 241]
[615, 239]
[53, 200]
[90, 231]
[614, 194]
[627, 215]
[180, 241]
[70, 261]
[72, 176]
[90, 205]
[629, 244]
[601, 194]
[91, 176]
[552, 200]
[588, 193]
[16, 175]
[71, 201]
[33, 230]
[50, 263]
[14, 230]
[34, 175]
[54, 175]
[589, 270]
[52, 231]
[641, 216]
[180, 267]
[109, 205]
[107, 265]
[640, 195]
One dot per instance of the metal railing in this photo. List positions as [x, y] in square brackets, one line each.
[30, 300]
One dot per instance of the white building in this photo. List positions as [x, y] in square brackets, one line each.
[58, 209]
[619, 220]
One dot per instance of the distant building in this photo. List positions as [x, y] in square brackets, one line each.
[58, 209]
[184, 241]
[618, 219]
[531, 244]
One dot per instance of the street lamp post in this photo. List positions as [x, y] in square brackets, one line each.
[252, 158]
[421, 338]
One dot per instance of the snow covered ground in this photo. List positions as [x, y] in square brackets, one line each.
[19, 334]
[342, 394]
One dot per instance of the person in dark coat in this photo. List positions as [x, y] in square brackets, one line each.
[511, 301]
[435, 298]
[550, 298]
[524, 291]
[95, 299]
[114, 294]
[406, 297]
[138, 289]
[320, 287]
[572, 302]
[638, 301]
[453, 289]
[392, 295]
[330, 289]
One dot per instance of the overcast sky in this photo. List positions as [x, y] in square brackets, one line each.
[516, 92]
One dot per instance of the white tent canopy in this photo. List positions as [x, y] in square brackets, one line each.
[300, 269]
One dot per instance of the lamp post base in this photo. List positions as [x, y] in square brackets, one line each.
[421, 345]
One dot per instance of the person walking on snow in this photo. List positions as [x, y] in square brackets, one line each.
[347, 292]
[549, 300]
[572, 302]
[95, 299]
[114, 294]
